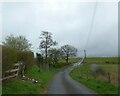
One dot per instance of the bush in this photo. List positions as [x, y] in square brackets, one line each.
[11, 56]
[107, 62]
[27, 58]
[96, 70]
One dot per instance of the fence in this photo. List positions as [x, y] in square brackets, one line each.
[13, 72]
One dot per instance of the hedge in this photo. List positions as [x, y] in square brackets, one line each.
[27, 58]
[11, 56]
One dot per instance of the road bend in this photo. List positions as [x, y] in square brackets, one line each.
[62, 83]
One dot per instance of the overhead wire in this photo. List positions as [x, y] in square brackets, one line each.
[91, 28]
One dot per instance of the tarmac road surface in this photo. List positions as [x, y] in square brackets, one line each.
[62, 83]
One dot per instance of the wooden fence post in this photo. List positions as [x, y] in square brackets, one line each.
[109, 77]
[87, 74]
[9, 74]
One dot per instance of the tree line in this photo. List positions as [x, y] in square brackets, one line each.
[48, 54]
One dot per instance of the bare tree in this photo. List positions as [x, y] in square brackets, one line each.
[68, 51]
[54, 55]
[40, 61]
[46, 42]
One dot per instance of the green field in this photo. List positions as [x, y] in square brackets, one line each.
[111, 60]
[99, 82]
[22, 87]
[71, 60]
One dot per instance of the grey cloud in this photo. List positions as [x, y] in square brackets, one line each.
[69, 23]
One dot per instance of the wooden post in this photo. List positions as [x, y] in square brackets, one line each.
[9, 74]
[109, 78]
[87, 74]
[85, 53]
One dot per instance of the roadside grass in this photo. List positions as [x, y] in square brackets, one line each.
[108, 65]
[99, 84]
[23, 87]
[111, 60]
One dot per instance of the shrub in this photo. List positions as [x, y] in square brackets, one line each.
[27, 58]
[9, 58]
[96, 70]
[107, 62]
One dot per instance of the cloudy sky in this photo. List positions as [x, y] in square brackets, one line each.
[69, 22]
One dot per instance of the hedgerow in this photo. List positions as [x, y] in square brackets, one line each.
[11, 56]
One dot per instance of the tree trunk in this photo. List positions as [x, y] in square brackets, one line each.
[41, 67]
[67, 59]
[46, 63]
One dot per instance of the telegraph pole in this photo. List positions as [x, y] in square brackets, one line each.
[85, 53]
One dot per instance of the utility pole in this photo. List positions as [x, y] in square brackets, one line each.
[85, 53]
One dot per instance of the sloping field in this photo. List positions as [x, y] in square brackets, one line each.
[104, 81]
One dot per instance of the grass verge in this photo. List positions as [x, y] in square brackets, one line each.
[99, 84]
[22, 87]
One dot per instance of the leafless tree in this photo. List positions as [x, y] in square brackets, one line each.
[46, 42]
[69, 51]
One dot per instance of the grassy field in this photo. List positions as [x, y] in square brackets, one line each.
[74, 60]
[71, 60]
[22, 87]
[98, 83]
[112, 60]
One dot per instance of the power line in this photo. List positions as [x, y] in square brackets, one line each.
[91, 25]
[91, 28]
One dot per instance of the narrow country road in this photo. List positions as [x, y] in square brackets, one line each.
[63, 84]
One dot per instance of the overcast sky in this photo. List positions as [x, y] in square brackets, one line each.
[69, 22]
